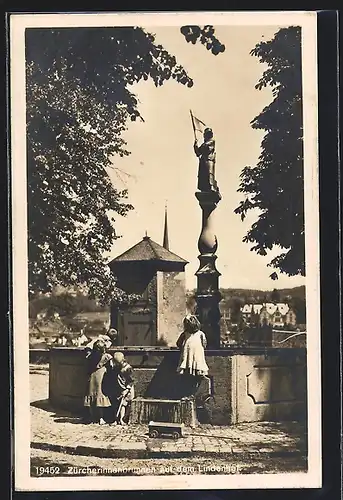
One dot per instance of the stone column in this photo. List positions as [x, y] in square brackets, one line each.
[208, 295]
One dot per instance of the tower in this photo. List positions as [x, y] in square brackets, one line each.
[165, 234]
[157, 276]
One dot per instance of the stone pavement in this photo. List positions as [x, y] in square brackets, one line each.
[63, 432]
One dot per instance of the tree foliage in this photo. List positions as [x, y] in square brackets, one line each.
[79, 102]
[206, 36]
[275, 185]
[275, 296]
[299, 307]
[64, 304]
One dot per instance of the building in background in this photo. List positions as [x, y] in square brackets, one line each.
[275, 315]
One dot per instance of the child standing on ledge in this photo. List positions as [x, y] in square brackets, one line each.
[99, 363]
[192, 343]
[122, 390]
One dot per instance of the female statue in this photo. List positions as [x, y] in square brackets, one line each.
[207, 159]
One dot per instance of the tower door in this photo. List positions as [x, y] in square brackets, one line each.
[137, 329]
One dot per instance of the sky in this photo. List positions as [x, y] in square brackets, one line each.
[162, 167]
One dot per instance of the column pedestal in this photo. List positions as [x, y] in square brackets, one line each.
[207, 294]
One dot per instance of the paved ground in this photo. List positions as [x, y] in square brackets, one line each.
[60, 438]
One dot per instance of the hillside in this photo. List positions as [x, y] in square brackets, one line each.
[254, 295]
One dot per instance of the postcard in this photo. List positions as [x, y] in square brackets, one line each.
[165, 219]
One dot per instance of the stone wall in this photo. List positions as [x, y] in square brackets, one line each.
[221, 407]
[137, 323]
[171, 300]
[270, 386]
[246, 385]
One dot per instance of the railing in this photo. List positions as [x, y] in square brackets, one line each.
[39, 356]
[288, 338]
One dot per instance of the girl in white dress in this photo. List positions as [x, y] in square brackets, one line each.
[192, 343]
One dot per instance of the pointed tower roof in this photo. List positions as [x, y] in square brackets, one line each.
[148, 250]
[165, 234]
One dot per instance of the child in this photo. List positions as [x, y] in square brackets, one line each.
[99, 362]
[192, 343]
[123, 387]
[108, 338]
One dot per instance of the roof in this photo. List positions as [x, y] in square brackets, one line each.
[147, 250]
[283, 308]
[246, 308]
[251, 308]
[269, 307]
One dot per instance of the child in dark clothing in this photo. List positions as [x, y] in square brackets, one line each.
[123, 388]
[99, 362]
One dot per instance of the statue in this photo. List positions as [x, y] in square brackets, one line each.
[207, 295]
[207, 160]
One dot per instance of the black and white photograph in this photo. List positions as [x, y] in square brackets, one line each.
[165, 248]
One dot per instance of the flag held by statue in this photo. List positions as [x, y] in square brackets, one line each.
[198, 126]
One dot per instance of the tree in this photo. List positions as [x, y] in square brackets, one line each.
[275, 186]
[299, 307]
[64, 304]
[275, 296]
[79, 103]
[236, 305]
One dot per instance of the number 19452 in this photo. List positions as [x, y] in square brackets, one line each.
[44, 471]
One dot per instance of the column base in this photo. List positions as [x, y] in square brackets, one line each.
[208, 313]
